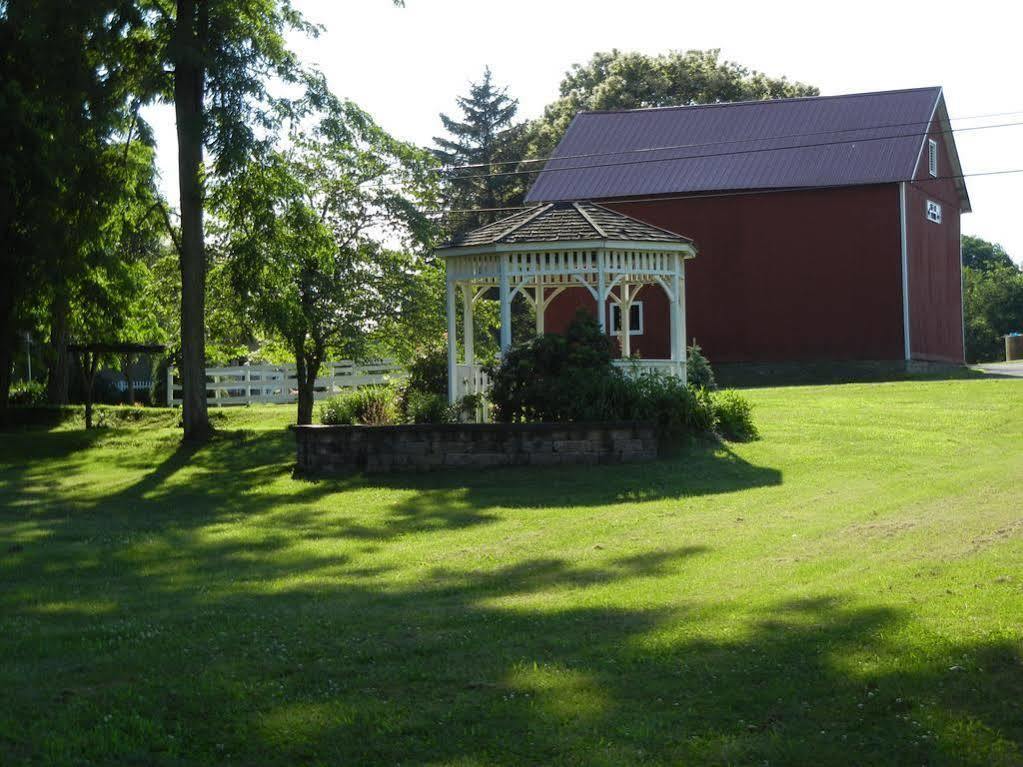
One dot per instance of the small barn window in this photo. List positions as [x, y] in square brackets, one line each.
[635, 319]
[932, 157]
[934, 211]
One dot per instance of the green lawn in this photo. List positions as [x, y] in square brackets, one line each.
[847, 590]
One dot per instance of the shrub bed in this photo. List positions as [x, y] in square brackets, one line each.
[570, 378]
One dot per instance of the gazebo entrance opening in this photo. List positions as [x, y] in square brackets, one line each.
[544, 251]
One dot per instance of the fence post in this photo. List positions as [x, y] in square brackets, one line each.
[170, 386]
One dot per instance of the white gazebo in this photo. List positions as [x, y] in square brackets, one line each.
[548, 249]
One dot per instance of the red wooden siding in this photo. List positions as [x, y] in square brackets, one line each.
[655, 341]
[935, 287]
[805, 275]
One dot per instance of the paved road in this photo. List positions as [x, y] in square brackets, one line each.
[1012, 369]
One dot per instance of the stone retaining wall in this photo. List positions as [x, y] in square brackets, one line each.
[426, 447]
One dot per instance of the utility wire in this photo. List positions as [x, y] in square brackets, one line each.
[737, 152]
[708, 195]
[584, 155]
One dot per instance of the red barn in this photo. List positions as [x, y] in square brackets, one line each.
[827, 228]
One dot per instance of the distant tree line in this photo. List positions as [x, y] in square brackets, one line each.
[992, 298]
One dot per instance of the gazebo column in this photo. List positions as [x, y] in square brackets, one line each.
[540, 304]
[504, 296]
[452, 344]
[626, 295]
[680, 319]
[601, 293]
[468, 329]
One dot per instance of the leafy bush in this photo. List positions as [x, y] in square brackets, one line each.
[426, 407]
[698, 369]
[677, 409]
[28, 394]
[734, 416]
[557, 377]
[428, 372]
[571, 378]
[368, 405]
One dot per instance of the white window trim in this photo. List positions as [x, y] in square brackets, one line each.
[932, 157]
[611, 320]
[937, 208]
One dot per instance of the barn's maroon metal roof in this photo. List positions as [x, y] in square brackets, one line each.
[805, 142]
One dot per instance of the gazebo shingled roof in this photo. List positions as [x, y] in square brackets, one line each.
[568, 221]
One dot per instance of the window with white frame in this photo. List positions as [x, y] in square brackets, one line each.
[934, 211]
[932, 157]
[635, 319]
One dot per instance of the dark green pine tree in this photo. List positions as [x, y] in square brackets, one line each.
[485, 138]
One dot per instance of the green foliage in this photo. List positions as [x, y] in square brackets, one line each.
[426, 407]
[428, 371]
[485, 137]
[621, 80]
[301, 227]
[980, 254]
[698, 370]
[366, 405]
[733, 415]
[992, 308]
[543, 380]
[28, 393]
[571, 378]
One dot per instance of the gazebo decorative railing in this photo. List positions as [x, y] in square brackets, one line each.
[557, 247]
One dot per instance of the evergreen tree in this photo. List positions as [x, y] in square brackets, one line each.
[485, 136]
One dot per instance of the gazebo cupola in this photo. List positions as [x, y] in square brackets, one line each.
[548, 249]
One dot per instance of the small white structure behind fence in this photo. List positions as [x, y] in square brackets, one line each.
[244, 384]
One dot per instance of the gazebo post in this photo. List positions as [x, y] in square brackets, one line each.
[601, 293]
[681, 322]
[505, 299]
[624, 312]
[677, 345]
[452, 344]
[468, 330]
[541, 306]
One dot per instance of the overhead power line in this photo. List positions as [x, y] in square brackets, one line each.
[740, 193]
[723, 142]
[915, 134]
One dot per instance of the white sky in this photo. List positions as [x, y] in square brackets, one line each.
[404, 66]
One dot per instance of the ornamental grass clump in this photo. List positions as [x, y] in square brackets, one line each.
[367, 406]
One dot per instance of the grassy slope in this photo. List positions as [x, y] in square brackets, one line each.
[846, 590]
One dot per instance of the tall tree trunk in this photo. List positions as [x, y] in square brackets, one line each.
[59, 369]
[129, 379]
[6, 362]
[6, 345]
[189, 74]
[305, 384]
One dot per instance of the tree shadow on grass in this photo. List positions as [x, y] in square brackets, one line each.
[523, 664]
[149, 629]
[460, 498]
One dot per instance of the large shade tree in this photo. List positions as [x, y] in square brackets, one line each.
[214, 60]
[628, 80]
[303, 230]
[66, 84]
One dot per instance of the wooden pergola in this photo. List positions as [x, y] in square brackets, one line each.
[543, 251]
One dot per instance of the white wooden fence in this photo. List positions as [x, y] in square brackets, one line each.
[244, 384]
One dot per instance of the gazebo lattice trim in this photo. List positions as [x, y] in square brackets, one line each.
[610, 270]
